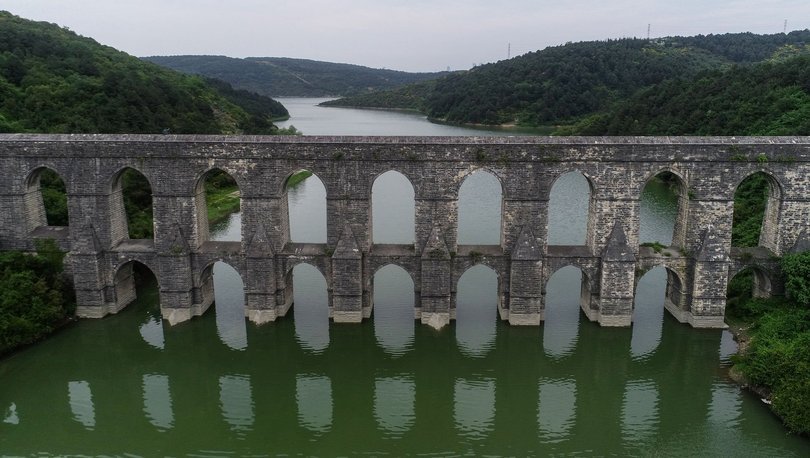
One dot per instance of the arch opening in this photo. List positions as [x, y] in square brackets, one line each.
[393, 209]
[562, 310]
[305, 202]
[306, 289]
[756, 212]
[477, 299]
[744, 288]
[480, 202]
[131, 207]
[394, 304]
[134, 280]
[663, 211]
[218, 201]
[569, 207]
[46, 200]
[135, 283]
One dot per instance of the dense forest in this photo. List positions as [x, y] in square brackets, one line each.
[281, 76]
[562, 85]
[54, 81]
[771, 98]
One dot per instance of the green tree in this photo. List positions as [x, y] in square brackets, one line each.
[796, 269]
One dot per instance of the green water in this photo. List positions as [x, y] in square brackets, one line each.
[130, 385]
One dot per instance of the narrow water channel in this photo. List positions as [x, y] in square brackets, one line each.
[132, 385]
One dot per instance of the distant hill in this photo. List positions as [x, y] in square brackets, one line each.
[562, 85]
[281, 76]
[52, 80]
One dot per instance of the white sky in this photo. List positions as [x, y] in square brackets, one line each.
[412, 35]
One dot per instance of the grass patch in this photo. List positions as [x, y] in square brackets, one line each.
[656, 246]
[221, 202]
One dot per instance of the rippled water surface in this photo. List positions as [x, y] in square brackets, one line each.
[218, 386]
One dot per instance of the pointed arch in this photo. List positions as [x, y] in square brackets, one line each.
[217, 194]
[45, 199]
[749, 282]
[125, 279]
[757, 202]
[393, 209]
[569, 208]
[130, 203]
[480, 208]
[664, 208]
[304, 207]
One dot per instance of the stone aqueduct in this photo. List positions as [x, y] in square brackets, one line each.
[699, 262]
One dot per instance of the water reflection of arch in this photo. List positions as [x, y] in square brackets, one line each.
[681, 190]
[552, 177]
[204, 279]
[200, 198]
[122, 279]
[461, 180]
[35, 216]
[769, 234]
[119, 225]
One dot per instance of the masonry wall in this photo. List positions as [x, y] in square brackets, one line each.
[617, 168]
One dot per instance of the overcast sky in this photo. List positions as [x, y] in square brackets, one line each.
[412, 35]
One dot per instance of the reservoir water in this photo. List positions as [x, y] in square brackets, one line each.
[130, 384]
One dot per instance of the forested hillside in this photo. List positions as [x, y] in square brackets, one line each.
[562, 85]
[52, 80]
[766, 99]
[280, 76]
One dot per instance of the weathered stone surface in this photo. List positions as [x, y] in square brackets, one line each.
[698, 264]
